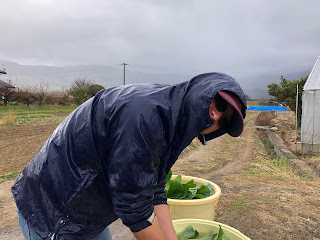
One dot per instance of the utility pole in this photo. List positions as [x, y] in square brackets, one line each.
[124, 73]
[295, 135]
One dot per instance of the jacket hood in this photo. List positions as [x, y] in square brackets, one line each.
[198, 95]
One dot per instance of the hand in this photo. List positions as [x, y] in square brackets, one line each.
[161, 228]
[164, 218]
[152, 232]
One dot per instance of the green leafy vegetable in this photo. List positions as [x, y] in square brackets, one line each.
[208, 236]
[221, 235]
[169, 175]
[189, 233]
[177, 190]
[178, 178]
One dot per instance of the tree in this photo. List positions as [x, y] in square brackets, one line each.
[94, 89]
[6, 91]
[58, 97]
[41, 93]
[79, 90]
[248, 98]
[25, 96]
[286, 93]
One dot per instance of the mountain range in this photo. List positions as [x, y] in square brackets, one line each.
[61, 78]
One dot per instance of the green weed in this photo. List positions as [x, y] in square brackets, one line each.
[253, 103]
[267, 143]
[252, 169]
[192, 145]
[23, 110]
[280, 162]
[9, 176]
[242, 205]
[9, 118]
[195, 170]
[36, 115]
[14, 103]
[276, 168]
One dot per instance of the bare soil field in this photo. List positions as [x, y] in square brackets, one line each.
[261, 196]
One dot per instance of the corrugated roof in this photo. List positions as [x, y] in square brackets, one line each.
[313, 82]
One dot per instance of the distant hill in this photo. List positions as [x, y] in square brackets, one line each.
[62, 77]
[58, 78]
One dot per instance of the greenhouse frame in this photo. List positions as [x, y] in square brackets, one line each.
[310, 122]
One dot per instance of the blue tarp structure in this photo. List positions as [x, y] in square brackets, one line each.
[266, 108]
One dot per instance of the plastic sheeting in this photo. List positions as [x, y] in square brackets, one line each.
[310, 127]
[266, 108]
[310, 122]
[313, 82]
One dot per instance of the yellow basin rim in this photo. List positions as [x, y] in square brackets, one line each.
[201, 181]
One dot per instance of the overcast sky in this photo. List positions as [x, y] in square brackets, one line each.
[177, 36]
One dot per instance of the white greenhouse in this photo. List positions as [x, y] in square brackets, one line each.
[310, 122]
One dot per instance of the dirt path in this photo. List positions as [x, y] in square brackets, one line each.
[261, 197]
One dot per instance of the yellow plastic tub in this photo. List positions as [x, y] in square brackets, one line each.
[204, 226]
[195, 208]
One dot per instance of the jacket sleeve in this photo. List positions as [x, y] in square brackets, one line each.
[133, 167]
[160, 196]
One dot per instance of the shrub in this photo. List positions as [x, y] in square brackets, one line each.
[264, 119]
[13, 103]
[9, 118]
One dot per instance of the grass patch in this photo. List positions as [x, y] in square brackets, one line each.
[34, 114]
[24, 110]
[191, 171]
[9, 176]
[192, 145]
[242, 205]
[267, 143]
[266, 167]
[230, 145]
[252, 169]
[197, 170]
[275, 168]
[280, 163]
[253, 103]
[264, 172]
[37, 115]
[9, 119]
[14, 103]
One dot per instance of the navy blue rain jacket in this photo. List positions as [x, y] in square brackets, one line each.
[109, 158]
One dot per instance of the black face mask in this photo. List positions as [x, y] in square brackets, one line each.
[224, 121]
[221, 104]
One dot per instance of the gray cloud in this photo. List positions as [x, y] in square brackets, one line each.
[237, 37]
